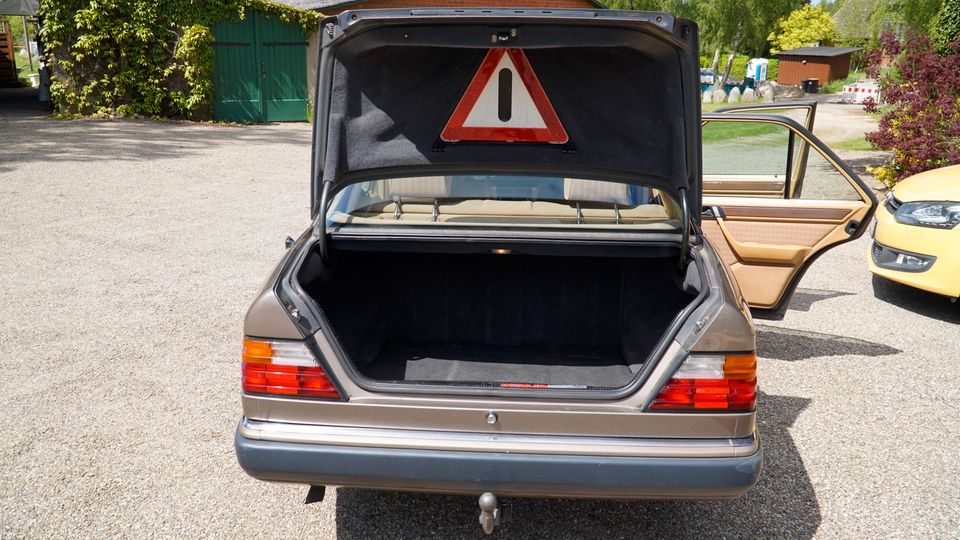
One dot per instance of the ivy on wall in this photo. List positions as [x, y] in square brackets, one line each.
[142, 57]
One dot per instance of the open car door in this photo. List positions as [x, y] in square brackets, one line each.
[775, 199]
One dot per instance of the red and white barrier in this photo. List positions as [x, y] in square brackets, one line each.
[861, 91]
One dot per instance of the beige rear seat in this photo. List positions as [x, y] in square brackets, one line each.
[615, 193]
[421, 199]
[596, 191]
[417, 190]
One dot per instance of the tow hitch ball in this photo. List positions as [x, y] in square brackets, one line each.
[491, 513]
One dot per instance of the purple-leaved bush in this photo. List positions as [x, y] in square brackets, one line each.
[921, 126]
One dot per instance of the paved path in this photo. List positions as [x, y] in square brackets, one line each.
[131, 250]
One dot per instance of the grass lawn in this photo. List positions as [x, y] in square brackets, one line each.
[710, 107]
[24, 71]
[760, 134]
[836, 86]
[859, 143]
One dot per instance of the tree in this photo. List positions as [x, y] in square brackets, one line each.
[804, 27]
[903, 16]
[719, 20]
[759, 17]
[850, 19]
[921, 126]
[831, 6]
[948, 26]
[689, 9]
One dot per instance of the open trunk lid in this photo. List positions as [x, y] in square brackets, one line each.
[395, 85]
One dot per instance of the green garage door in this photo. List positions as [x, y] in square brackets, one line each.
[259, 70]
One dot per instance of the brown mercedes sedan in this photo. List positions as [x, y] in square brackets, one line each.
[532, 263]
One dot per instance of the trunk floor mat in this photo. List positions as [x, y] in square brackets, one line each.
[490, 365]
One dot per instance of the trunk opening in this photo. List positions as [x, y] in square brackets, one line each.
[493, 320]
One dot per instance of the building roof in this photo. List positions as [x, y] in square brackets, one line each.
[820, 51]
[320, 5]
[27, 8]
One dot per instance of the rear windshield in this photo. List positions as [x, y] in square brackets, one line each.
[504, 200]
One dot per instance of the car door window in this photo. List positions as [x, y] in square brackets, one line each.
[822, 180]
[749, 159]
[745, 149]
[801, 112]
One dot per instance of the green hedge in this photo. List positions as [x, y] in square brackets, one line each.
[739, 65]
[141, 57]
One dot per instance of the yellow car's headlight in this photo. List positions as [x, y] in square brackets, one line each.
[942, 215]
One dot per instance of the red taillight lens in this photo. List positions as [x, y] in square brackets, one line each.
[711, 383]
[284, 368]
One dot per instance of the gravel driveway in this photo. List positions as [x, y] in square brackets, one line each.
[132, 249]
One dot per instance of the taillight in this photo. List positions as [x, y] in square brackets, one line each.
[711, 382]
[285, 368]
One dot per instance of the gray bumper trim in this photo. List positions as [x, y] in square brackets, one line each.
[531, 475]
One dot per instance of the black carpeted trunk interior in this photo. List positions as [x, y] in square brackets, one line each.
[485, 364]
[493, 319]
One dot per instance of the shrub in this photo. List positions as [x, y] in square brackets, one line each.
[837, 85]
[141, 57]
[948, 25]
[922, 125]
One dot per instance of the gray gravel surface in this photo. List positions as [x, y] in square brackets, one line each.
[131, 249]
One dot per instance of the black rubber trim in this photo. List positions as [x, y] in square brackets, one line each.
[533, 475]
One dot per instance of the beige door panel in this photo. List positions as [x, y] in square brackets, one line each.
[750, 252]
[765, 243]
[763, 285]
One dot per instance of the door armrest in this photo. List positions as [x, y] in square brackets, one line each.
[757, 253]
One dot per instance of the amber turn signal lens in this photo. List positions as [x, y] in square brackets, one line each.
[711, 382]
[285, 368]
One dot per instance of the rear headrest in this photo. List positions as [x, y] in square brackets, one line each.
[596, 191]
[420, 187]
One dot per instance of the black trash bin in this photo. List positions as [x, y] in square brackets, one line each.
[810, 86]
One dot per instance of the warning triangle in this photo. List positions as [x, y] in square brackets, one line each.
[505, 103]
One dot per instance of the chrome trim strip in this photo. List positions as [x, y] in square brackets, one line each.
[495, 442]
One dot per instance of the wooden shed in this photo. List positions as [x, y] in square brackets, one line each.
[822, 63]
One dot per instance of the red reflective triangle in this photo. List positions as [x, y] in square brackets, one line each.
[497, 109]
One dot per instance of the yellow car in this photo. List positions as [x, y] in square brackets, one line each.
[916, 240]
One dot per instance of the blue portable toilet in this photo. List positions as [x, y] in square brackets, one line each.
[757, 70]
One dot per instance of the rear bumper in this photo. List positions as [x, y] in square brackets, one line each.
[506, 474]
